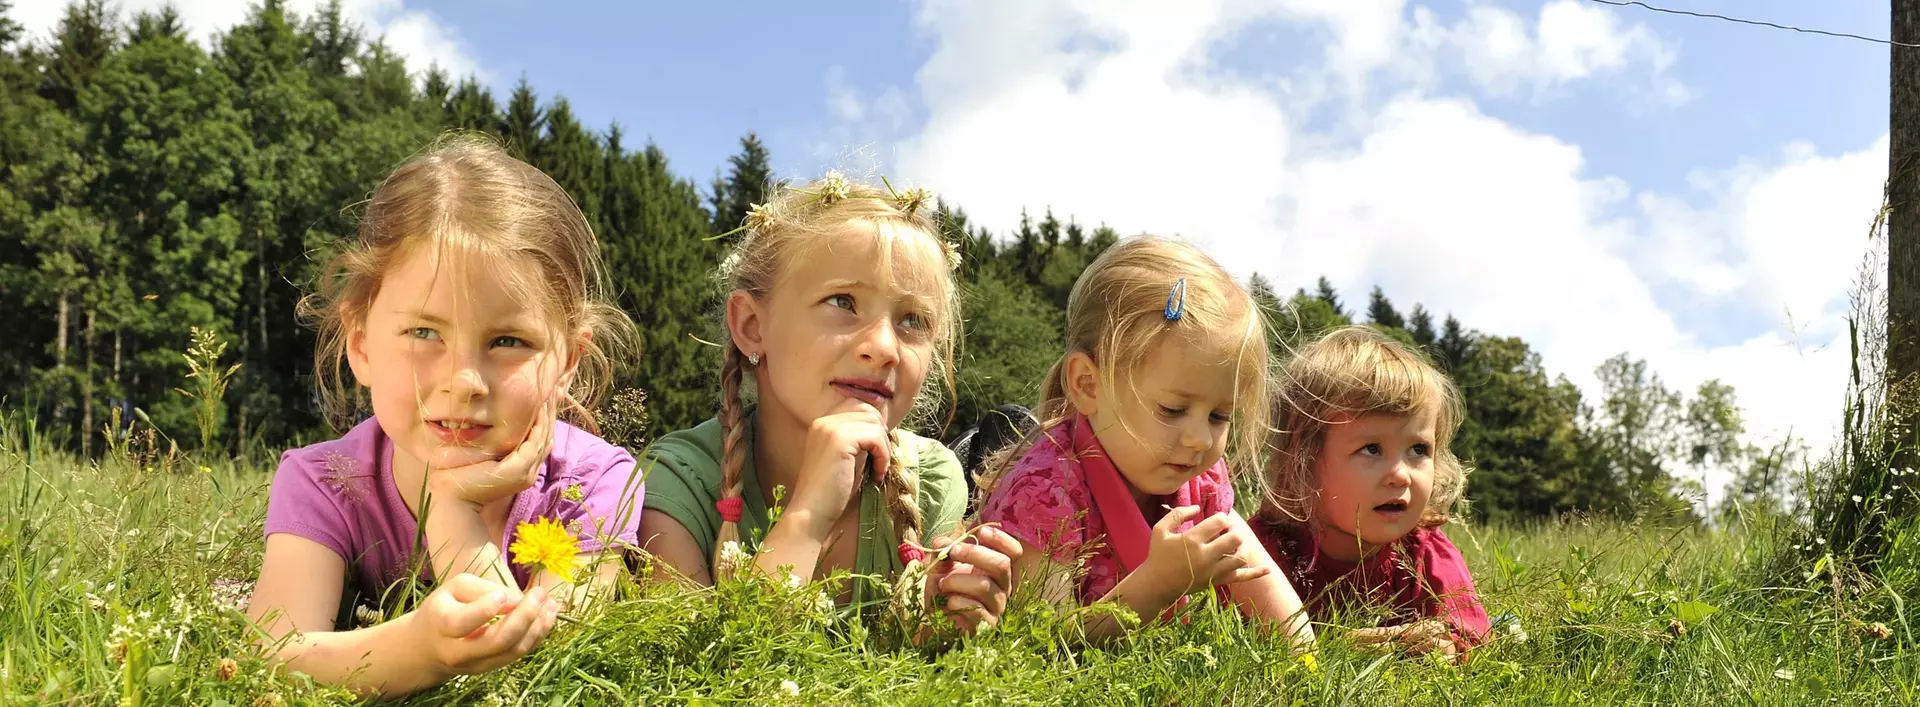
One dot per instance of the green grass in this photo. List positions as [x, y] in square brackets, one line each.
[108, 573]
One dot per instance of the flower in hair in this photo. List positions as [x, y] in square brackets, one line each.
[759, 216]
[834, 187]
[730, 508]
[953, 255]
[912, 200]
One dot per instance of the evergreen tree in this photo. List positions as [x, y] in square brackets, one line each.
[86, 36]
[522, 124]
[749, 177]
[1420, 325]
[1381, 313]
[1453, 347]
[1325, 292]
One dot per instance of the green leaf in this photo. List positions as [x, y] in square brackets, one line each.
[1693, 612]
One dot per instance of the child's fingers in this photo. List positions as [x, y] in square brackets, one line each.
[1246, 574]
[506, 635]
[974, 589]
[1375, 635]
[1175, 517]
[542, 626]
[988, 562]
[1214, 527]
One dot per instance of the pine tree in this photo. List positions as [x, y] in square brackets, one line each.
[1381, 313]
[1326, 294]
[1420, 325]
[749, 176]
[1454, 346]
[522, 124]
[473, 108]
[86, 36]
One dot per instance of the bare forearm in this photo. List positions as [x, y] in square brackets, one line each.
[1272, 601]
[457, 541]
[385, 659]
[794, 543]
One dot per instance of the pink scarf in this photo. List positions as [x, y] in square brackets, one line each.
[1127, 529]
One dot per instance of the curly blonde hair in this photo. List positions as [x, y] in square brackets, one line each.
[1349, 372]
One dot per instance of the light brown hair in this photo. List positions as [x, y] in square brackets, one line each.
[1117, 314]
[796, 220]
[465, 193]
[1349, 372]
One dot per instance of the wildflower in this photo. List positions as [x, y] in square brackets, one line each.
[834, 187]
[1678, 629]
[1312, 663]
[731, 559]
[794, 581]
[1879, 631]
[574, 493]
[232, 594]
[364, 616]
[913, 200]
[546, 544]
[1856, 498]
[759, 216]
[204, 469]
[1822, 541]
[226, 670]
[789, 688]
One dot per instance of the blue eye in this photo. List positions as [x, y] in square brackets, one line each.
[423, 333]
[508, 342]
[914, 322]
[842, 301]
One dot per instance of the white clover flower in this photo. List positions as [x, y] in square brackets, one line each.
[789, 688]
[834, 187]
[759, 216]
[731, 559]
[1856, 498]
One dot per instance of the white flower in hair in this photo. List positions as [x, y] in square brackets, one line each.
[834, 187]
[912, 200]
[953, 256]
[758, 216]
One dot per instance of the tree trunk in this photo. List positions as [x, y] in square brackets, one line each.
[1903, 222]
[86, 387]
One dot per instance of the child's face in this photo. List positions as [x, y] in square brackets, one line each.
[456, 366]
[1168, 420]
[839, 330]
[1376, 475]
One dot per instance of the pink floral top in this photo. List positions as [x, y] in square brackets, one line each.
[1044, 500]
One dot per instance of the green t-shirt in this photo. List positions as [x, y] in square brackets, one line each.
[683, 481]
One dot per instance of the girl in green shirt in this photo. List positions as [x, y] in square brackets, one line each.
[841, 300]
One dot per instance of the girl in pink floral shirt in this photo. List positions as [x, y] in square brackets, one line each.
[1123, 496]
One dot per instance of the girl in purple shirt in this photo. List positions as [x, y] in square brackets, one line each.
[473, 313]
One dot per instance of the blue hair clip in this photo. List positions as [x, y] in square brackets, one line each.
[1177, 300]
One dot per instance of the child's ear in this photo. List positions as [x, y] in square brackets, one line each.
[1082, 383]
[576, 350]
[744, 319]
[357, 360]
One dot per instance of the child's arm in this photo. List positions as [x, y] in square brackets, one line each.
[457, 536]
[666, 540]
[1454, 619]
[1270, 598]
[299, 592]
[1178, 563]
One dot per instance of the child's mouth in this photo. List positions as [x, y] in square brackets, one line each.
[871, 392]
[457, 431]
[1391, 509]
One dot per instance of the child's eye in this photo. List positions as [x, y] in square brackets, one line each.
[1222, 418]
[1172, 412]
[842, 301]
[1372, 450]
[508, 342]
[914, 322]
[423, 333]
[1422, 450]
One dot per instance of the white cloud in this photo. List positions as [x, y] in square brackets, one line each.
[1112, 113]
[415, 34]
[1569, 41]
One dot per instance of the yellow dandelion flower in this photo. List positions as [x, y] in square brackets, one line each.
[546, 544]
[1312, 663]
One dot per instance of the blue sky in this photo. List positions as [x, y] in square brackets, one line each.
[1593, 179]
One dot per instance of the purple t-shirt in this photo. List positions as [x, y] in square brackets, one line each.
[341, 494]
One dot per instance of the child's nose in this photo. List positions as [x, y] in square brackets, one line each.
[464, 382]
[880, 345]
[1400, 476]
[1197, 436]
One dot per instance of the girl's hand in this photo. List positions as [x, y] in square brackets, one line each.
[489, 480]
[456, 625]
[837, 445]
[1207, 554]
[1417, 638]
[975, 578]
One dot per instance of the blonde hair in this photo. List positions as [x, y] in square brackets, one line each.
[1354, 371]
[465, 192]
[1117, 314]
[794, 221]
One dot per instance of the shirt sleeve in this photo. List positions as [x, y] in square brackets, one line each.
[1038, 503]
[943, 491]
[678, 485]
[1449, 592]
[609, 498]
[301, 503]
